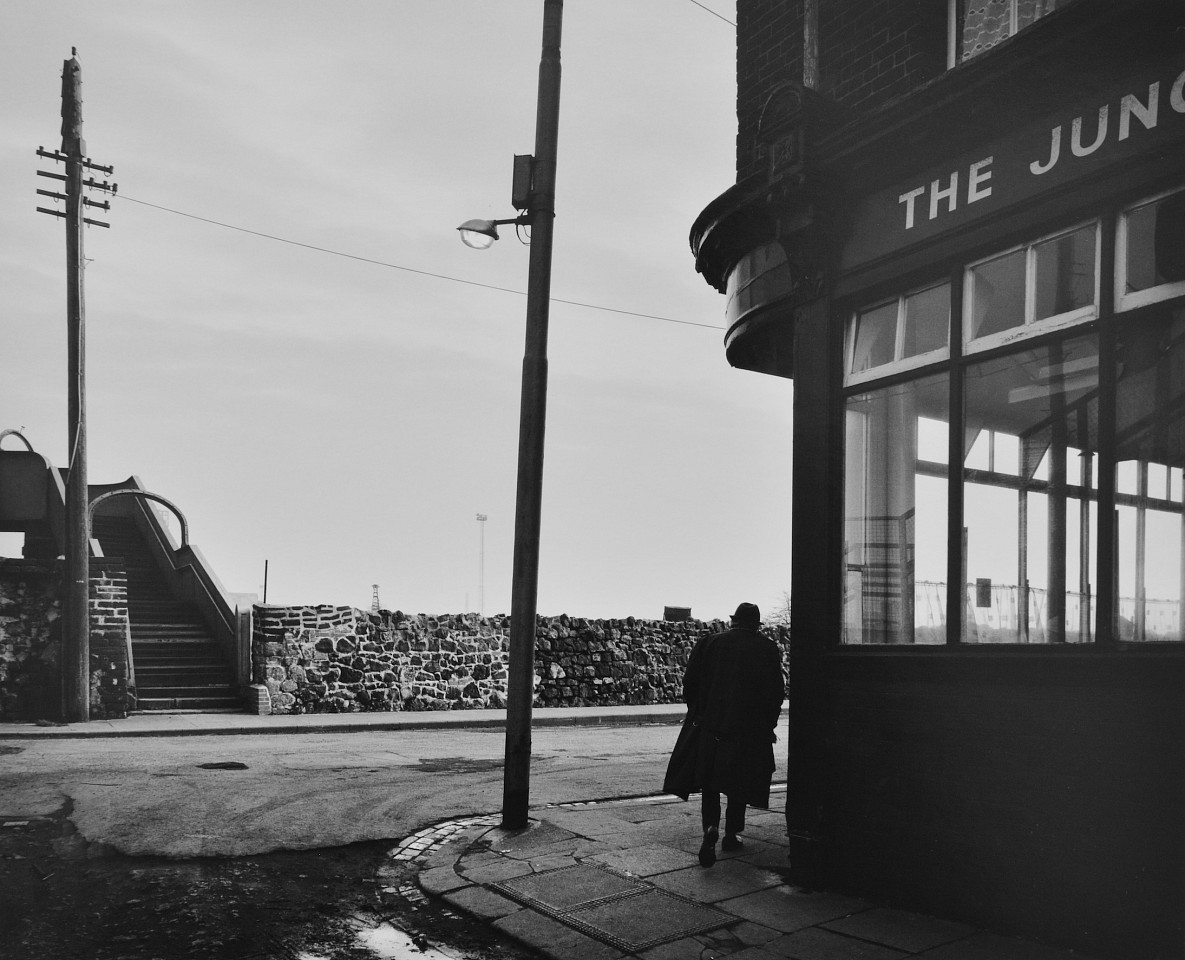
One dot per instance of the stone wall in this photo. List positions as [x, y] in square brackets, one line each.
[328, 659]
[30, 640]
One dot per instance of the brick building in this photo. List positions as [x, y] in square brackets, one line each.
[959, 227]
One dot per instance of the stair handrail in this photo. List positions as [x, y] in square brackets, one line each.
[55, 490]
[16, 433]
[180, 556]
[145, 495]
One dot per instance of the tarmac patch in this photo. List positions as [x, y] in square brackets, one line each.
[459, 765]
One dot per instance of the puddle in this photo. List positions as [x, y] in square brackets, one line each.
[390, 943]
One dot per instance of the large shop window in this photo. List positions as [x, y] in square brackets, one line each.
[978, 25]
[895, 521]
[1039, 445]
[1029, 492]
[1150, 455]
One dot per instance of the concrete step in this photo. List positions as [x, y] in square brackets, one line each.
[171, 703]
[182, 675]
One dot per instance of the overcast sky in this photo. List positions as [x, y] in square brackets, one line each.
[344, 420]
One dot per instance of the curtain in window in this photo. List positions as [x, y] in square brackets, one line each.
[987, 22]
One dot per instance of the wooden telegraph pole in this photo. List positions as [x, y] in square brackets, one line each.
[76, 613]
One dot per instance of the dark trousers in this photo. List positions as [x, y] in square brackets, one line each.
[734, 816]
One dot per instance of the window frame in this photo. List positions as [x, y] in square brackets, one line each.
[1030, 326]
[953, 28]
[1140, 298]
[1106, 314]
[898, 364]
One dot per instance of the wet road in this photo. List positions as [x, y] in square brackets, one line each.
[167, 847]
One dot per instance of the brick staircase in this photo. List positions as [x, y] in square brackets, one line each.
[178, 663]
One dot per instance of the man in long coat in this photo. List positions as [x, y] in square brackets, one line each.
[734, 691]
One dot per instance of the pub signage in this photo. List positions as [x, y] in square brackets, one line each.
[1039, 156]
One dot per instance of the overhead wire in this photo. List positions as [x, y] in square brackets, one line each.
[713, 12]
[423, 273]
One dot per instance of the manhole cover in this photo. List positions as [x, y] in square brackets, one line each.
[647, 919]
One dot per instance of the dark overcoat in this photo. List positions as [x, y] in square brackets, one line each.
[734, 691]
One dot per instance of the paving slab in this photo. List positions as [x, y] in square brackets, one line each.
[726, 880]
[496, 872]
[983, 946]
[553, 938]
[533, 838]
[598, 824]
[482, 902]
[646, 860]
[815, 943]
[440, 880]
[789, 908]
[912, 932]
[637, 922]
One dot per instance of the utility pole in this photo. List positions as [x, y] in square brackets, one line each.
[532, 416]
[76, 595]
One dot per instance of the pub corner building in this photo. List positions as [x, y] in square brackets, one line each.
[959, 227]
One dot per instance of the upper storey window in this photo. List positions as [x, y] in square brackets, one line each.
[978, 25]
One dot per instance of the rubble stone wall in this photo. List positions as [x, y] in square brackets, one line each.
[30, 639]
[327, 659]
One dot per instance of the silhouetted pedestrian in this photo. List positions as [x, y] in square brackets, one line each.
[734, 692]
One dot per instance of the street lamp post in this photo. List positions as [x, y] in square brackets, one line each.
[540, 217]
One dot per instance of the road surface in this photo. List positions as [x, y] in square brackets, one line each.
[153, 796]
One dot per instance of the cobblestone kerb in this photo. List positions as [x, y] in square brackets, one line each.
[332, 659]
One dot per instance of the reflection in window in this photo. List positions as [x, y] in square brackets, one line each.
[1065, 273]
[895, 514]
[1053, 282]
[926, 323]
[1150, 455]
[876, 337]
[1029, 495]
[1152, 251]
[997, 292]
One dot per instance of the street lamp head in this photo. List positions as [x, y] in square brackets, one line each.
[478, 234]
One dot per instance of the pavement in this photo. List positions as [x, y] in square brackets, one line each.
[613, 879]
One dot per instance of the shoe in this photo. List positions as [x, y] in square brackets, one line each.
[707, 849]
[731, 842]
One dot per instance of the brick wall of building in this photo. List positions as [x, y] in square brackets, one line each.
[870, 52]
[110, 640]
